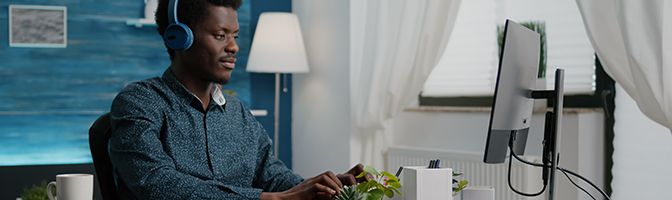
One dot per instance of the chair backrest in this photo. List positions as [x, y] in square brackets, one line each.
[99, 135]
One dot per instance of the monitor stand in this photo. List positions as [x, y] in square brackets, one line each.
[552, 130]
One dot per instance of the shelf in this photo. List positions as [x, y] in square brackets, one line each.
[139, 23]
[259, 113]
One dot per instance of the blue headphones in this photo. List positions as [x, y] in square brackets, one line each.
[177, 36]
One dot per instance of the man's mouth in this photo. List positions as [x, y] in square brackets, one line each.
[229, 63]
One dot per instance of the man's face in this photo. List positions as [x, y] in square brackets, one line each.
[212, 56]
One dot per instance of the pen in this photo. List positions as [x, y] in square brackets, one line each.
[399, 171]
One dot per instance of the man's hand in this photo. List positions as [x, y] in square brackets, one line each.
[323, 186]
[349, 177]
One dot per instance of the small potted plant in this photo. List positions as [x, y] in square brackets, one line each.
[379, 184]
[35, 192]
[458, 185]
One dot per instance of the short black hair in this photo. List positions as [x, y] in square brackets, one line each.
[189, 12]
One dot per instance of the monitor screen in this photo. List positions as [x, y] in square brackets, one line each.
[512, 105]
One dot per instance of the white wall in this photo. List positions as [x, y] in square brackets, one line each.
[642, 150]
[321, 109]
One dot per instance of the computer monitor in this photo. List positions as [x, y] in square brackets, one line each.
[512, 105]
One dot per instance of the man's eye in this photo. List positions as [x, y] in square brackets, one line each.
[220, 37]
[235, 37]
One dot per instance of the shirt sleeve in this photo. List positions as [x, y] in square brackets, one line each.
[140, 161]
[272, 174]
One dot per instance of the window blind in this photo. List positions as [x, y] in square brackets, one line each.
[469, 64]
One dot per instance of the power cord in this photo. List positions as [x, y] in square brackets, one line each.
[571, 181]
[519, 192]
[562, 170]
[585, 180]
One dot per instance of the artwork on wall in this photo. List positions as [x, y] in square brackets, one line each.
[50, 96]
[38, 26]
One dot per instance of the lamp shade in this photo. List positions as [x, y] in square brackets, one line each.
[277, 46]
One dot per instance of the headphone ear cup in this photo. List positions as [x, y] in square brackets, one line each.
[178, 37]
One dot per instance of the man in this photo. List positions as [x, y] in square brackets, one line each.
[178, 137]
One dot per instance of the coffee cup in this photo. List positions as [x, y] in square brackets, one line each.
[71, 187]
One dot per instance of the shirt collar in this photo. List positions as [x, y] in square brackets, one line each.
[186, 96]
[217, 95]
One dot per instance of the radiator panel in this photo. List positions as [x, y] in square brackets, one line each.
[524, 178]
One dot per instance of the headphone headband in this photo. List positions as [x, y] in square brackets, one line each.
[172, 12]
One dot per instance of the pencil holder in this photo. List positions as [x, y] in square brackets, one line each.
[422, 183]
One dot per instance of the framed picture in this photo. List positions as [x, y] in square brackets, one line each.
[38, 26]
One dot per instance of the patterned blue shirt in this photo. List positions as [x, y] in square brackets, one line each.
[165, 146]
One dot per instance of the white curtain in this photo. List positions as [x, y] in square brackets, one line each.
[633, 39]
[394, 46]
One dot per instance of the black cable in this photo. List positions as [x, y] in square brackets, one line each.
[563, 170]
[519, 192]
[571, 181]
[585, 180]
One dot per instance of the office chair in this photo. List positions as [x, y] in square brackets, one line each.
[99, 135]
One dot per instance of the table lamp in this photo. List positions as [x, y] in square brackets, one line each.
[277, 47]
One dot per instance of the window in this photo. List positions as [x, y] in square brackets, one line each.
[468, 69]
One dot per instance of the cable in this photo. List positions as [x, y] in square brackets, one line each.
[563, 170]
[585, 180]
[571, 181]
[518, 192]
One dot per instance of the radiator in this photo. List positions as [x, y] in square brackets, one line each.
[524, 178]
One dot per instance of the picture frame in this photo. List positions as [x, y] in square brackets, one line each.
[38, 26]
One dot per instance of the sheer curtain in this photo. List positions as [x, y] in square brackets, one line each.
[633, 39]
[394, 46]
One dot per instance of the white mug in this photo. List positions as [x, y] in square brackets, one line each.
[71, 187]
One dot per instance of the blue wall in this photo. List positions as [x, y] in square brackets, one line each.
[50, 97]
[263, 86]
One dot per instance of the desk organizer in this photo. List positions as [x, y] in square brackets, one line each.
[422, 183]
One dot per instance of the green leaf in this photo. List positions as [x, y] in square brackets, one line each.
[395, 184]
[388, 175]
[380, 186]
[461, 185]
[389, 193]
[372, 171]
[362, 187]
[375, 194]
[35, 192]
[456, 174]
[365, 186]
[360, 175]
